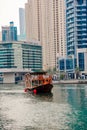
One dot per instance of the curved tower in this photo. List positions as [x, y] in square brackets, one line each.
[76, 25]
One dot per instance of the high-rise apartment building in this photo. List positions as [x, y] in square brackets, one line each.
[76, 25]
[45, 22]
[76, 28]
[9, 33]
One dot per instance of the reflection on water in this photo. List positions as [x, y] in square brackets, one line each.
[47, 97]
[64, 109]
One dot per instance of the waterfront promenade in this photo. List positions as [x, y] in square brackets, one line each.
[71, 81]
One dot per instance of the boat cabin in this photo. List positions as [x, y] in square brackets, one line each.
[35, 79]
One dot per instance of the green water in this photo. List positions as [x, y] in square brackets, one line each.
[64, 109]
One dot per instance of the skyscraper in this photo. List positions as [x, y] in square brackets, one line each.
[22, 21]
[0, 36]
[76, 25]
[76, 28]
[9, 33]
[45, 21]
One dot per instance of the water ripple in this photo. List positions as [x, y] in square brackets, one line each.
[64, 109]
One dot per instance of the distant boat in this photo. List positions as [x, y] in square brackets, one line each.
[38, 82]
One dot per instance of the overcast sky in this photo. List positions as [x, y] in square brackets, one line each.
[9, 11]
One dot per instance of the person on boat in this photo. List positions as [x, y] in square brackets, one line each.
[28, 80]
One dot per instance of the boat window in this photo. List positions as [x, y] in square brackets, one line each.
[35, 83]
[40, 82]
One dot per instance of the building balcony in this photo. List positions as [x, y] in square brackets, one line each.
[70, 36]
[70, 7]
[68, 1]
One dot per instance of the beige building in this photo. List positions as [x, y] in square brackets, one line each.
[45, 22]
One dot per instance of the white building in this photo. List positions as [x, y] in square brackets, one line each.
[19, 57]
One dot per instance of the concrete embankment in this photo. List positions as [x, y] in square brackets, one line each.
[80, 81]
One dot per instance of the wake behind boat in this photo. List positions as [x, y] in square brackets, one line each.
[38, 82]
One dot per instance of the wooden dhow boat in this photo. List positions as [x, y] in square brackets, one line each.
[38, 82]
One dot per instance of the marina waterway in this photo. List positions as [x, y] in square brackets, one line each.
[64, 109]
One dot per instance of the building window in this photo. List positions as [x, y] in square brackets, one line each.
[62, 65]
[81, 61]
[80, 2]
[69, 64]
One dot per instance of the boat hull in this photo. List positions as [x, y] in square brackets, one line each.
[41, 89]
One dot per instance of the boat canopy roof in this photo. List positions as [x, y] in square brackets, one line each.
[38, 73]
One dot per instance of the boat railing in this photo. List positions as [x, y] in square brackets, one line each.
[42, 79]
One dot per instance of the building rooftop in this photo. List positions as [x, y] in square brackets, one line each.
[21, 42]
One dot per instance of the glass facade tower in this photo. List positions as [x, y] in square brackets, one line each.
[9, 33]
[76, 25]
